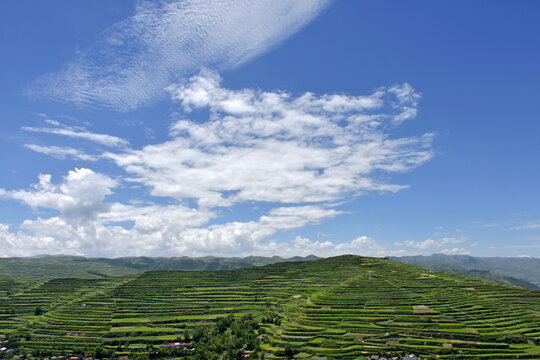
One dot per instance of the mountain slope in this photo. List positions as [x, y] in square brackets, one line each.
[520, 268]
[345, 307]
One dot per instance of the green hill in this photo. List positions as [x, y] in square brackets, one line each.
[519, 268]
[346, 307]
[51, 267]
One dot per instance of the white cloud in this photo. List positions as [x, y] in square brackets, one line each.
[78, 133]
[527, 225]
[362, 245]
[299, 155]
[164, 41]
[270, 146]
[431, 243]
[79, 198]
[536, 244]
[302, 246]
[247, 238]
[87, 224]
[21, 244]
[408, 99]
[510, 225]
[455, 251]
[62, 152]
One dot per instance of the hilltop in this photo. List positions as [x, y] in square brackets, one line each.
[346, 307]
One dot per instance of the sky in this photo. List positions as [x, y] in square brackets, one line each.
[292, 127]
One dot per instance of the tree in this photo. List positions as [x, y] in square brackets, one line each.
[289, 352]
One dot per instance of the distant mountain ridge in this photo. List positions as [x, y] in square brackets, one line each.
[520, 272]
[514, 271]
[45, 267]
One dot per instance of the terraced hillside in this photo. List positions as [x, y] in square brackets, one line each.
[346, 307]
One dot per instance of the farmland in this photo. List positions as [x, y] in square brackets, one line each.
[346, 307]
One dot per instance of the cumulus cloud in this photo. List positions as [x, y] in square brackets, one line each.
[302, 246]
[431, 243]
[456, 251]
[167, 40]
[22, 244]
[273, 147]
[87, 224]
[299, 156]
[249, 237]
[79, 198]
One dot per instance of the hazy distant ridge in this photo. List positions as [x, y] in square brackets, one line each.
[46, 267]
[522, 272]
[505, 270]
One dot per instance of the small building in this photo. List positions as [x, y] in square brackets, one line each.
[171, 344]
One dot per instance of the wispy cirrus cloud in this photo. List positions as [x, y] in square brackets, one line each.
[164, 41]
[510, 225]
[526, 225]
[60, 152]
[77, 133]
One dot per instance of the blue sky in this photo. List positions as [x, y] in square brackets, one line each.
[289, 128]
